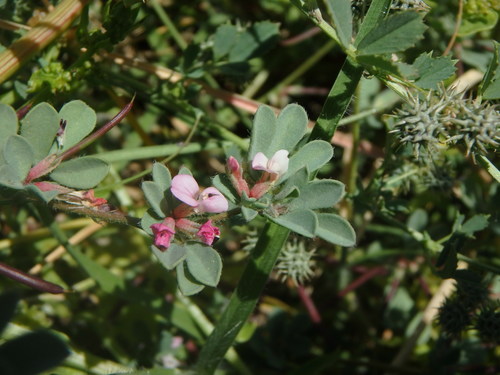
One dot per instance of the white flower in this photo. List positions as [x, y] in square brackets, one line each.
[278, 164]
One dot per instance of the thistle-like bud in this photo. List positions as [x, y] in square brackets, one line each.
[296, 262]
[453, 318]
[488, 325]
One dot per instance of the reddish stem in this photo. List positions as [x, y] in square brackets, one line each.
[309, 304]
[98, 133]
[370, 274]
[29, 280]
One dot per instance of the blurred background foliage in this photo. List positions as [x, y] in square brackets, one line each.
[373, 308]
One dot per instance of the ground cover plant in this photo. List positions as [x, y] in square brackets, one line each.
[267, 187]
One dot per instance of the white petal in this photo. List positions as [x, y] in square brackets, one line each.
[259, 162]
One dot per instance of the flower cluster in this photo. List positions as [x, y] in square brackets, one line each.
[185, 188]
[272, 168]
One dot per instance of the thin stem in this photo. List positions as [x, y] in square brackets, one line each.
[457, 28]
[29, 280]
[169, 24]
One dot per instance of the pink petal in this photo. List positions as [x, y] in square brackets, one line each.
[279, 162]
[163, 233]
[186, 189]
[211, 200]
[233, 165]
[208, 233]
[259, 162]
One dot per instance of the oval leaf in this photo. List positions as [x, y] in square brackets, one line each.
[81, 173]
[149, 219]
[303, 222]
[203, 263]
[162, 176]
[154, 196]
[312, 156]
[80, 121]
[8, 124]
[290, 128]
[319, 194]
[9, 177]
[264, 125]
[171, 257]
[40, 127]
[187, 285]
[335, 229]
[19, 154]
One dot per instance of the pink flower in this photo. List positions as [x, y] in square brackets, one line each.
[186, 189]
[278, 164]
[236, 176]
[163, 233]
[208, 233]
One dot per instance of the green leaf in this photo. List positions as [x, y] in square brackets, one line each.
[40, 127]
[203, 263]
[318, 194]
[394, 34]
[162, 176]
[303, 222]
[154, 371]
[155, 197]
[81, 173]
[291, 126]
[477, 21]
[248, 213]
[45, 196]
[224, 39]
[80, 121]
[335, 229]
[490, 167]
[313, 155]
[8, 304]
[433, 70]
[19, 155]
[264, 124]
[172, 256]
[9, 177]
[380, 64]
[447, 262]
[270, 134]
[475, 224]
[254, 41]
[342, 19]
[32, 353]
[490, 86]
[376, 13]
[187, 285]
[295, 182]
[8, 125]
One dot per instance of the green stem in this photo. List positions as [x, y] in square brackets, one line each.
[338, 100]
[244, 298]
[169, 24]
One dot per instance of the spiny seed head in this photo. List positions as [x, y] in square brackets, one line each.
[420, 122]
[295, 261]
[453, 317]
[442, 118]
[476, 125]
[488, 325]
[471, 294]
